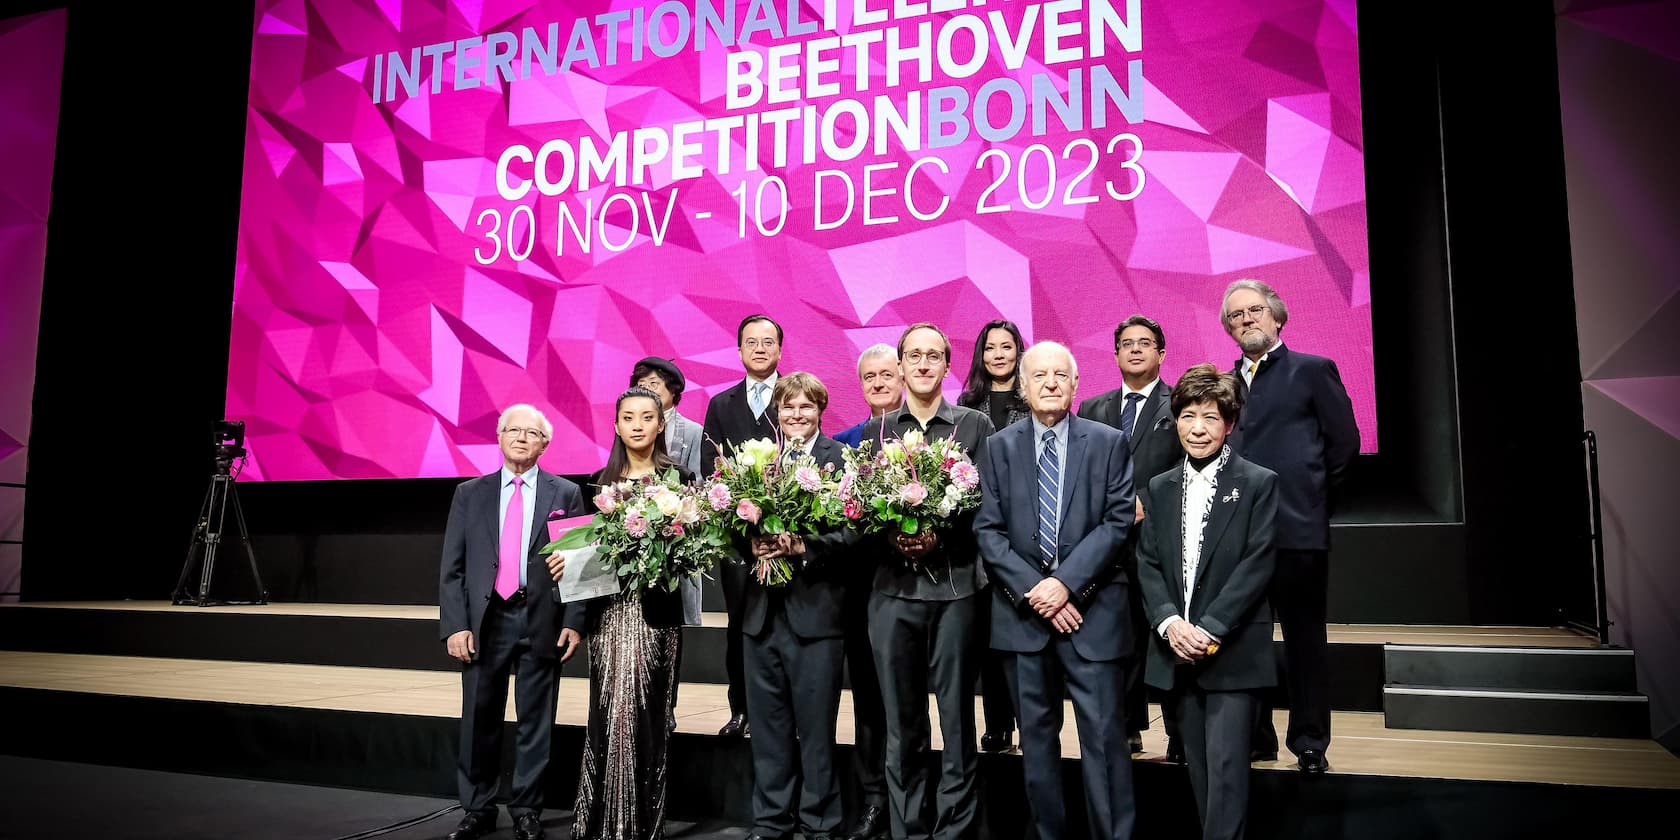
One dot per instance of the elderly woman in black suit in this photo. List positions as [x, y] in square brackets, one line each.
[1205, 558]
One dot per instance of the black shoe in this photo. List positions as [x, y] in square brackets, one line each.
[474, 825]
[872, 825]
[735, 728]
[1262, 754]
[1175, 750]
[997, 742]
[527, 826]
[1135, 741]
[1313, 761]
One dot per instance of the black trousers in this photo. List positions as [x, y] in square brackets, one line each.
[869, 713]
[997, 673]
[733, 577]
[793, 698]
[1143, 635]
[1097, 690]
[504, 650]
[1215, 728]
[922, 647]
[1299, 592]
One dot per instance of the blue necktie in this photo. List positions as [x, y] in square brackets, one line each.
[1128, 414]
[756, 399]
[1049, 493]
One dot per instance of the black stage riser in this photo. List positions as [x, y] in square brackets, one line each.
[1356, 670]
[712, 778]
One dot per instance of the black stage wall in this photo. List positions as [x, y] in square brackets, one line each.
[1472, 513]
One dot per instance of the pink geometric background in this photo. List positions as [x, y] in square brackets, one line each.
[31, 61]
[368, 342]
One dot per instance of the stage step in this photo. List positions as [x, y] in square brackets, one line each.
[1539, 690]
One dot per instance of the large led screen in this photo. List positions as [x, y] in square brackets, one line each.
[450, 207]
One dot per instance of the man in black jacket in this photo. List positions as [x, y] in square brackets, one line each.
[1297, 421]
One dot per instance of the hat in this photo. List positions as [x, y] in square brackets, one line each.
[666, 368]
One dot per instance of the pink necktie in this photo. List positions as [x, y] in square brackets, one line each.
[513, 535]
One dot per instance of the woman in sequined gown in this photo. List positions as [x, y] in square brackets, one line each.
[635, 645]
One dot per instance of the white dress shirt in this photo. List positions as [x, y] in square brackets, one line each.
[1199, 489]
[1249, 366]
[769, 388]
[1137, 411]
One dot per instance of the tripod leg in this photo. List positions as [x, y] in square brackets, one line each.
[180, 596]
[245, 537]
[213, 535]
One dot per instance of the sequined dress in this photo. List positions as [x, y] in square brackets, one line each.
[635, 647]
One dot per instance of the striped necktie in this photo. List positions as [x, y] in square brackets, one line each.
[1049, 494]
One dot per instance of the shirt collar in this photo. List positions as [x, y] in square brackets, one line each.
[1060, 429]
[529, 475]
[1145, 390]
[945, 413]
[768, 380]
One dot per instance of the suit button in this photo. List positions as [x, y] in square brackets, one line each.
[487, 597]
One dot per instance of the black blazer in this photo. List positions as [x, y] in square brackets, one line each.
[813, 599]
[1096, 512]
[1238, 554]
[472, 549]
[1154, 443]
[729, 420]
[659, 608]
[1297, 421]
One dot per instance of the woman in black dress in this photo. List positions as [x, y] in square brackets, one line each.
[994, 387]
[635, 645]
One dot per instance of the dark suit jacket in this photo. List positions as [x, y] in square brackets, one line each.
[1297, 421]
[814, 598]
[471, 552]
[729, 420]
[1096, 512]
[1238, 555]
[1154, 442]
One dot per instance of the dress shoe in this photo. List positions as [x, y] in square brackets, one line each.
[474, 825]
[1135, 741]
[1313, 761]
[527, 826]
[735, 728]
[1262, 754]
[997, 742]
[872, 825]
[1175, 750]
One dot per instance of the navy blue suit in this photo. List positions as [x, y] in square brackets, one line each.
[513, 638]
[1088, 665]
[1297, 421]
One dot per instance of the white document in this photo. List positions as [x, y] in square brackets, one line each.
[586, 576]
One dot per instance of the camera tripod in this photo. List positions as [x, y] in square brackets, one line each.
[208, 534]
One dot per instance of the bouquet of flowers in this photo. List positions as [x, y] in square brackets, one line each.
[907, 485]
[653, 531]
[756, 491]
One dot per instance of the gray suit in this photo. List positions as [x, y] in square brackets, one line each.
[682, 443]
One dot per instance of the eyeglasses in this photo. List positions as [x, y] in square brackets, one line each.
[799, 409]
[1139, 343]
[1062, 377]
[933, 357]
[652, 383]
[1255, 311]
[755, 343]
[516, 433]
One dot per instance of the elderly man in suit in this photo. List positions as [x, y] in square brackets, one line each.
[682, 443]
[1055, 508]
[501, 615]
[736, 415]
[1298, 422]
[1204, 561]
[1139, 409]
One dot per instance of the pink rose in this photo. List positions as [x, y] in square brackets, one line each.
[606, 501]
[965, 475]
[718, 496]
[845, 490]
[853, 509]
[748, 511]
[912, 494]
[676, 529]
[635, 523]
[809, 480]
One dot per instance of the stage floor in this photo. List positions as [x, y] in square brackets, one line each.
[1362, 746]
[1405, 634]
